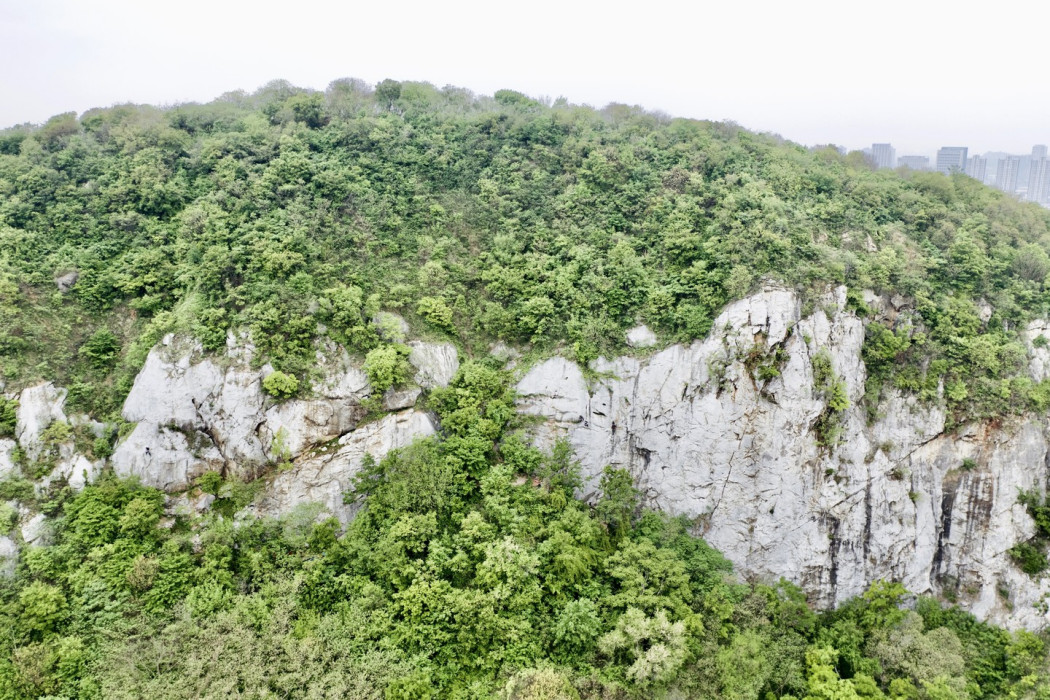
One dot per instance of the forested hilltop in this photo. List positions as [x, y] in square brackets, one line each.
[293, 219]
[292, 213]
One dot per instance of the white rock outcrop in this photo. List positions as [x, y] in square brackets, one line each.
[195, 414]
[36, 530]
[705, 437]
[38, 407]
[8, 556]
[436, 363]
[7, 459]
[325, 474]
[641, 337]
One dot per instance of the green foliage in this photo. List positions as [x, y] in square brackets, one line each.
[832, 389]
[280, 385]
[16, 488]
[8, 417]
[296, 214]
[653, 648]
[1029, 557]
[387, 366]
[470, 569]
[619, 502]
[41, 608]
[100, 350]
[435, 311]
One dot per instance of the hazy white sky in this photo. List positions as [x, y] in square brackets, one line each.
[917, 73]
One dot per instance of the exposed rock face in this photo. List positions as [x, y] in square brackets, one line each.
[1038, 350]
[35, 530]
[38, 407]
[641, 337]
[704, 436]
[437, 363]
[722, 431]
[196, 414]
[7, 462]
[65, 282]
[325, 474]
[8, 556]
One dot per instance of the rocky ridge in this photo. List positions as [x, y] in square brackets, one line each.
[707, 436]
[190, 414]
[723, 431]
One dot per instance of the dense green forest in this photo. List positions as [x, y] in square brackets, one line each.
[470, 570]
[292, 213]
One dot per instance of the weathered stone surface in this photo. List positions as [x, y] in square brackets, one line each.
[706, 438]
[77, 470]
[36, 530]
[1038, 350]
[398, 399]
[700, 431]
[7, 462]
[436, 363]
[8, 556]
[197, 414]
[65, 282]
[323, 476]
[38, 407]
[641, 337]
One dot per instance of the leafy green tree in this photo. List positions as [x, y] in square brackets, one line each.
[387, 366]
[280, 385]
[620, 500]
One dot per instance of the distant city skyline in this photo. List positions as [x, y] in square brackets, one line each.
[1026, 176]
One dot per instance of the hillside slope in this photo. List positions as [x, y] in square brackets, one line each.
[298, 391]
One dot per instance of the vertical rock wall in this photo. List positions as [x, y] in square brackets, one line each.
[705, 436]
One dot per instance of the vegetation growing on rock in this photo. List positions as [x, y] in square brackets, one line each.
[470, 572]
[295, 213]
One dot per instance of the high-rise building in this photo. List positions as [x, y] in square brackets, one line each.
[977, 168]
[1038, 152]
[1039, 179]
[1006, 173]
[914, 162]
[883, 155]
[951, 159]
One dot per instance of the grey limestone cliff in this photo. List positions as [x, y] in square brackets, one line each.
[703, 436]
[702, 429]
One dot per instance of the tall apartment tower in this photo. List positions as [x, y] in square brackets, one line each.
[952, 159]
[1006, 174]
[1039, 179]
[883, 155]
[914, 162]
[1038, 152]
[977, 168]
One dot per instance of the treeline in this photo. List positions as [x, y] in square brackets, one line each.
[470, 572]
[291, 213]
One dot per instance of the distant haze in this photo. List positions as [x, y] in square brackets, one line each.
[917, 74]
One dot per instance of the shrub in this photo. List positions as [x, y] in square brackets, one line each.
[435, 311]
[8, 417]
[1029, 558]
[100, 350]
[280, 385]
[387, 366]
[42, 607]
